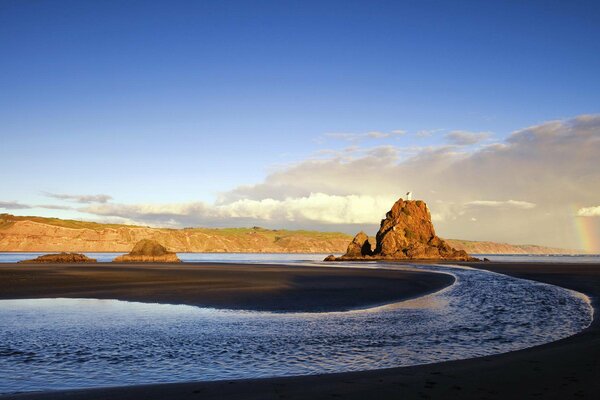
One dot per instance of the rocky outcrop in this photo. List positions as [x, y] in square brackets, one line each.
[148, 251]
[406, 233]
[60, 258]
[359, 246]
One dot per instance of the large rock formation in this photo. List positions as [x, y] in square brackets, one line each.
[406, 233]
[60, 258]
[148, 251]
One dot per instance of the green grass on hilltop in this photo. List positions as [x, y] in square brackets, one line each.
[7, 220]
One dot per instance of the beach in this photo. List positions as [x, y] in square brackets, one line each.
[220, 285]
[568, 368]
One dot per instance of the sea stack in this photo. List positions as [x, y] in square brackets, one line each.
[60, 258]
[148, 251]
[406, 233]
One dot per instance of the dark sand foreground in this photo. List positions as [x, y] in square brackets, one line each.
[248, 287]
[566, 369]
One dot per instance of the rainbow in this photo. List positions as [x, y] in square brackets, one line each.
[588, 230]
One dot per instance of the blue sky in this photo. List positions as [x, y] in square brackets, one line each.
[177, 102]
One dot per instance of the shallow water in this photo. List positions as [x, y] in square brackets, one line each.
[10, 257]
[75, 343]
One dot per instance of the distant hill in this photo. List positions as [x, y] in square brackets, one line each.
[53, 234]
[474, 247]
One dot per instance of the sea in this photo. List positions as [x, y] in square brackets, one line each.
[12, 257]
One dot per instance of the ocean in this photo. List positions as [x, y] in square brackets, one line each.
[12, 257]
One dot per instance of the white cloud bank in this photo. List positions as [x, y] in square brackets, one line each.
[317, 208]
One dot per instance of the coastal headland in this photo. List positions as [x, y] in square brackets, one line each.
[39, 234]
[568, 368]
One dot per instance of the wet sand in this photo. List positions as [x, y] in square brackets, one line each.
[569, 368]
[239, 287]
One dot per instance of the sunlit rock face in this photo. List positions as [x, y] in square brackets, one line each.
[60, 258]
[148, 251]
[359, 246]
[406, 233]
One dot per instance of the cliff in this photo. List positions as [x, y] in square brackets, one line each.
[477, 247]
[53, 234]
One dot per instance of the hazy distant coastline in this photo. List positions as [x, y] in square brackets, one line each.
[23, 234]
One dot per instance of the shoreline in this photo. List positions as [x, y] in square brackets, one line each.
[565, 368]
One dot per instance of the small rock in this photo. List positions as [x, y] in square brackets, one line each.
[359, 246]
[148, 251]
[61, 258]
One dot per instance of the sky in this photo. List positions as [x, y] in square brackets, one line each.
[302, 114]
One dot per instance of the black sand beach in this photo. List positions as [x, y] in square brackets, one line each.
[247, 287]
[569, 368]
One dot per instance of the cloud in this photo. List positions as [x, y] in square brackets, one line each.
[465, 138]
[508, 203]
[589, 212]
[378, 135]
[355, 137]
[542, 170]
[80, 198]
[519, 190]
[13, 205]
[425, 133]
[54, 207]
[316, 207]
